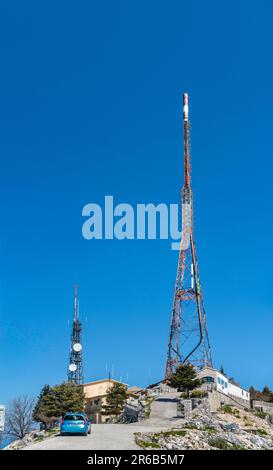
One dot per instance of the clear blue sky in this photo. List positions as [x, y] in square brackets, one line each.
[90, 104]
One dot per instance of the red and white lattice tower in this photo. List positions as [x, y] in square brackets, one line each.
[188, 339]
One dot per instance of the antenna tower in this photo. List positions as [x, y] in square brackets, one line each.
[75, 367]
[188, 339]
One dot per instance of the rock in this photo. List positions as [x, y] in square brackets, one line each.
[230, 427]
[230, 437]
[260, 442]
[215, 431]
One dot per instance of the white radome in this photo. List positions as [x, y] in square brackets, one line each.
[72, 367]
[77, 347]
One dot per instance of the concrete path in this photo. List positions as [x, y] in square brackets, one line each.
[117, 436]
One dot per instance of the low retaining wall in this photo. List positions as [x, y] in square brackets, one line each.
[187, 408]
[263, 406]
[218, 399]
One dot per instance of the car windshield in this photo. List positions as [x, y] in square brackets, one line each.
[74, 418]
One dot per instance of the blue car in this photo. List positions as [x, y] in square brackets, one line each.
[75, 423]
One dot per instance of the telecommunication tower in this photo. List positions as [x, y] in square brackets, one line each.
[188, 338]
[75, 367]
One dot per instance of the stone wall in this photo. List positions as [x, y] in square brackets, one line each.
[263, 406]
[187, 408]
[135, 410]
[215, 400]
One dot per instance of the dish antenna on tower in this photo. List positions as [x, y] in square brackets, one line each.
[75, 368]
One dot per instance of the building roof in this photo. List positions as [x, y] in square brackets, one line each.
[104, 380]
[134, 389]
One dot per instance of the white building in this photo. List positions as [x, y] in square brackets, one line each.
[214, 380]
[2, 418]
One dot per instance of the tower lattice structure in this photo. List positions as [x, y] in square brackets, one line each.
[188, 339]
[75, 367]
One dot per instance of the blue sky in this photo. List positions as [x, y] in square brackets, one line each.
[90, 105]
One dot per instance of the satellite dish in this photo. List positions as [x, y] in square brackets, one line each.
[77, 347]
[72, 367]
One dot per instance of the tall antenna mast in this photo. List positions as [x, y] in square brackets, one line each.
[188, 338]
[76, 303]
[75, 367]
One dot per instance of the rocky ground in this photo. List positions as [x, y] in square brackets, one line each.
[31, 438]
[229, 428]
[232, 430]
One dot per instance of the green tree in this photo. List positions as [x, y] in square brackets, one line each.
[184, 379]
[56, 401]
[115, 400]
[40, 412]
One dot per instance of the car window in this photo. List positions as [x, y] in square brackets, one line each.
[74, 418]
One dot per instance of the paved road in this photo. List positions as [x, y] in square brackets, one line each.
[116, 436]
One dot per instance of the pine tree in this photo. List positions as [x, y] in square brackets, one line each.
[40, 411]
[115, 400]
[56, 401]
[184, 379]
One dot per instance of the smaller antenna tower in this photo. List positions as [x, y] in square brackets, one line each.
[75, 367]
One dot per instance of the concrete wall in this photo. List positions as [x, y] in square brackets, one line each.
[218, 399]
[263, 406]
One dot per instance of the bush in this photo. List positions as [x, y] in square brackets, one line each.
[222, 444]
[227, 409]
[151, 443]
[175, 432]
[199, 394]
[148, 407]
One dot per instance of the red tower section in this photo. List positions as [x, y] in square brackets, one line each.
[188, 339]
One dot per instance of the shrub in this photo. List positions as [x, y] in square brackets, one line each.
[175, 432]
[227, 409]
[148, 407]
[222, 444]
[199, 394]
[147, 444]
